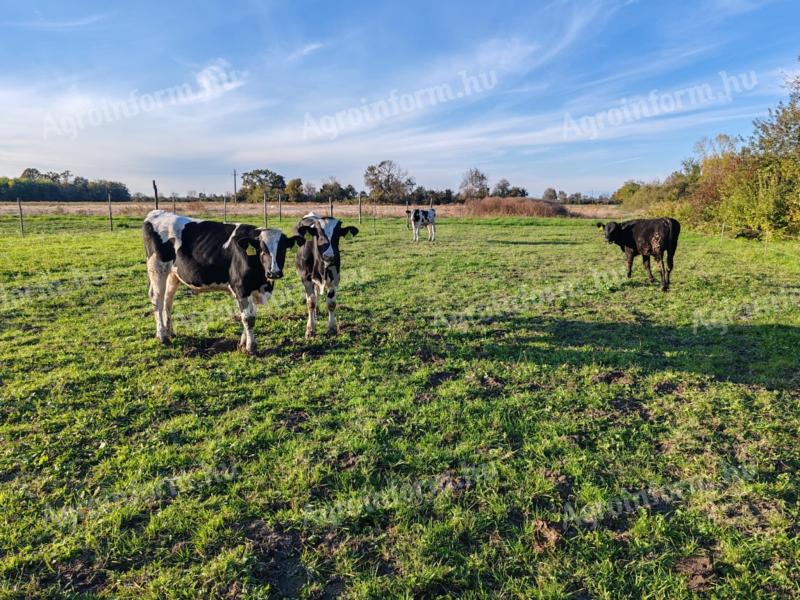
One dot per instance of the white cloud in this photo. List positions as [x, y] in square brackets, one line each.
[304, 51]
[60, 25]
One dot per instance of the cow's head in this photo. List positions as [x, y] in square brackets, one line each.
[269, 248]
[611, 230]
[325, 234]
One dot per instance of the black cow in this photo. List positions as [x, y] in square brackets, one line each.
[419, 218]
[205, 255]
[648, 237]
[318, 265]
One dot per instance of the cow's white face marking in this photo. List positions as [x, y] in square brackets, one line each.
[169, 225]
[271, 239]
[328, 225]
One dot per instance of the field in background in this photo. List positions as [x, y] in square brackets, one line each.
[482, 389]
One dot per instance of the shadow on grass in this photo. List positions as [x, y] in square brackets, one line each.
[763, 355]
[535, 243]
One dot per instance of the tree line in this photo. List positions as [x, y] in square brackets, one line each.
[32, 185]
[388, 183]
[750, 186]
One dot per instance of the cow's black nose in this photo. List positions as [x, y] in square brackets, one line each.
[275, 275]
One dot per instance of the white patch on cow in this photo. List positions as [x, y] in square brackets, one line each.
[328, 225]
[169, 225]
[233, 234]
[271, 239]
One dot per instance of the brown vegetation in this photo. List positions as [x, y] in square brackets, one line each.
[517, 207]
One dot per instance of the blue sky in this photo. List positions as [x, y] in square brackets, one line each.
[320, 89]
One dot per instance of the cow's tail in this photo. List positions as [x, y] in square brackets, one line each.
[674, 232]
[165, 251]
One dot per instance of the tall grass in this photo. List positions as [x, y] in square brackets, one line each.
[517, 207]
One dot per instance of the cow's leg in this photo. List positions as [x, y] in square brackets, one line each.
[158, 272]
[169, 299]
[311, 304]
[646, 263]
[247, 309]
[433, 232]
[416, 232]
[629, 260]
[330, 300]
[670, 264]
[663, 269]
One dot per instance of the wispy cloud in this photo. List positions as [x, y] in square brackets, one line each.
[60, 25]
[304, 51]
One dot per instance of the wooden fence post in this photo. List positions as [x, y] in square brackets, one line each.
[360, 198]
[155, 191]
[280, 208]
[110, 216]
[330, 206]
[224, 208]
[21, 222]
[266, 218]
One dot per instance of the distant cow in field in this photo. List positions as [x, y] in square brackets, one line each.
[318, 265]
[648, 237]
[419, 218]
[206, 256]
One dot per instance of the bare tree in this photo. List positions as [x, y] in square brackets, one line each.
[474, 184]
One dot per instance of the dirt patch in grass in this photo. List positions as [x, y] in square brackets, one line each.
[609, 377]
[81, 574]
[207, 347]
[698, 571]
[293, 420]
[277, 558]
[451, 481]
[626, 405]
[544, 536]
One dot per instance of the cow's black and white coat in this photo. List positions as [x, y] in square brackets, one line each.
[646, 237]
[419, 218]
[318, 265]
[206, 256]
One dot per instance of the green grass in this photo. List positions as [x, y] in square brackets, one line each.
[478, 384]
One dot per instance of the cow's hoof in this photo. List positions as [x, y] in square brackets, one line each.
[164, 339]
[251, 351]
[332, 331]
[309, 334]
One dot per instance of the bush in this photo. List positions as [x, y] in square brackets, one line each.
[517, 207]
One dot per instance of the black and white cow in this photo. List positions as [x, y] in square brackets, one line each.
[206, 256]
[419, 218]
[648, 237]
[318, 265]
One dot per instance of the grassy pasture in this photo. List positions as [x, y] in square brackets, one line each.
[478, 386]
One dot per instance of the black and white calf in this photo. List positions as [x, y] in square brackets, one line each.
[318, 264]
[206, 256]
[419, 218]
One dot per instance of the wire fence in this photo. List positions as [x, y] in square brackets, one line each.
[30, 217]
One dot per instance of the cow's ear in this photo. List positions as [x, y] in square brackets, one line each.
[349, 232]
[248, 245]
[307, 232]
[297, 240]
[600, 225]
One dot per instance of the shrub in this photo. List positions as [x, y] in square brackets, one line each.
[518, 207]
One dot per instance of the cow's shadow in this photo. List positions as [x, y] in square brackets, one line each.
[757, 354]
